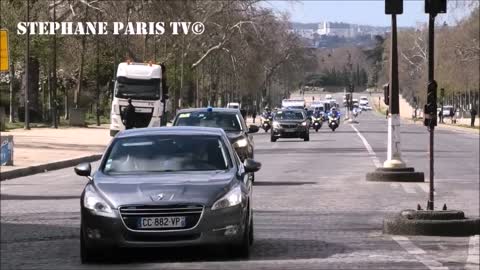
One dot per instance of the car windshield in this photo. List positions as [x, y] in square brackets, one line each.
[224, 120]
[137, 89]
[167, 153]
[289, 115]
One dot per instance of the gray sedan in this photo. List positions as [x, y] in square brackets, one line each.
[163, 187]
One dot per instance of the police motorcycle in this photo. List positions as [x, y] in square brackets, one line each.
[317, 121]
[267, 118]
[333, 119]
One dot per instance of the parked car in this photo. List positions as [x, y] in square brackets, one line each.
[167, 187]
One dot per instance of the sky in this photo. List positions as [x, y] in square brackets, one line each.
[368, 12]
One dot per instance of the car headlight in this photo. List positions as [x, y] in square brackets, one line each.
[96, 204]
[304, 123]
[276, 124]
[232, 198]
[241, 143]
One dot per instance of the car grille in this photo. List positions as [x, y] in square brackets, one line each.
[289, 126]
[132, 214]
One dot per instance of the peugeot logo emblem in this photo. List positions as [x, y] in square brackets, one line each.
[159, 197]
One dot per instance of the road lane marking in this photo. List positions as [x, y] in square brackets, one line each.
[394, 185]
[369, 148]
[409, 188]
[473, 259]
[419, 253]
[426, 187]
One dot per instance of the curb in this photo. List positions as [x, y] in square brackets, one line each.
[435, 226]
[395, 175]
[56, 165]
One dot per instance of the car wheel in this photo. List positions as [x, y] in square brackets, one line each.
[273, 139]
[87, 255]
[242, 250]
[252, 177]
[307, 137]
[251, 233]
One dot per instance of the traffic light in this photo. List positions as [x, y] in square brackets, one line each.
[164, 84]
[393, 6]
[431, 106]
[435, 6]
[386, 93]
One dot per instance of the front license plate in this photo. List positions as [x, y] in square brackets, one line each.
[161, 222]
[290, 130]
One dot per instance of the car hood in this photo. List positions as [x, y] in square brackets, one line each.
[176, 188]
[233, 136]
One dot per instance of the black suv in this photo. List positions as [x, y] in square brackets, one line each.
[290, 123]
[230, 120]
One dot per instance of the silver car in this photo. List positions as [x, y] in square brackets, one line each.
[163, 187]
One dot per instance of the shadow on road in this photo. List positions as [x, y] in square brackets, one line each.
[282, 183]
[8, 197]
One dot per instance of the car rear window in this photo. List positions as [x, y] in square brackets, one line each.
[224, 120]
[167, 153]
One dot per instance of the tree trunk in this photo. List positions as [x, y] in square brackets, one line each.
[82, 62]
[33, 104]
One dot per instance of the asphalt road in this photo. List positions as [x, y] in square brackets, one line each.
[313, 208]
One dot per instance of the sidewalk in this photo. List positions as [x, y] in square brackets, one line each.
[41, 146]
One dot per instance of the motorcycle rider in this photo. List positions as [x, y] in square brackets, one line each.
[333, 113]
[267, 113]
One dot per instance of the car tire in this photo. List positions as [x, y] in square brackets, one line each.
[87, 255]
[273, 139]
[307, 137]
[242, 250]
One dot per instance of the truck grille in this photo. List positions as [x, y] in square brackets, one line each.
[133, 213]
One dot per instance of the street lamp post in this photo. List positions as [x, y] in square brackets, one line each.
[394, 169]
[394, 159]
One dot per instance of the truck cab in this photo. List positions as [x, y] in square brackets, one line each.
[143, 84]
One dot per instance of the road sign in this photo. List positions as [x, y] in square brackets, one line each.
[4, 50]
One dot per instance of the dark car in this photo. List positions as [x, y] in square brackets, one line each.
[167, 187]
[289, 123]
[230, 120]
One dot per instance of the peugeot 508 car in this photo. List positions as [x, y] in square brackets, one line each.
[290, 123]
[164, 187]
[230, 120]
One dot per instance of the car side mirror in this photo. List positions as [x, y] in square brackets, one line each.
[251, 165]
[253, 129]
[84, 169]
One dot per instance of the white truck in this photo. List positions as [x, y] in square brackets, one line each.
[143, 84]
[293, 103]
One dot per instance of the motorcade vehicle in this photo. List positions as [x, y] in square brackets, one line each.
[141, 82]
[317, 122]
[230, 120]
[333, 122]
[167, 187]
[293, 104]
[266, 122]
[290, 123]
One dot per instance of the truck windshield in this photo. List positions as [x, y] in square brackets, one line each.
[138, 89]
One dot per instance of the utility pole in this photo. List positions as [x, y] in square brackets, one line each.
[12, 81]
[54, 69]
[432, 7]
[27, 73]
[98, 78]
